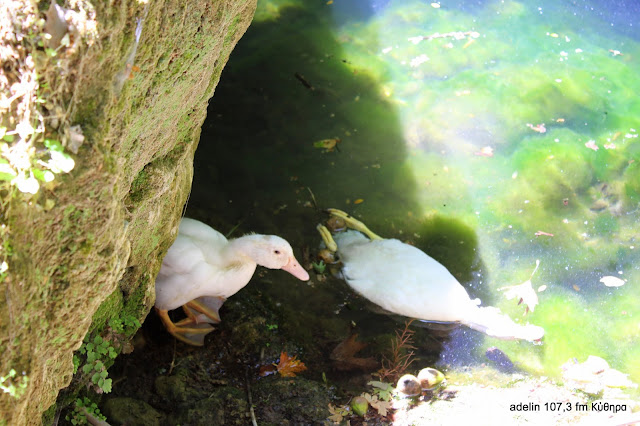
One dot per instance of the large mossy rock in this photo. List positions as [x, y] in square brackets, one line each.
[86, 248]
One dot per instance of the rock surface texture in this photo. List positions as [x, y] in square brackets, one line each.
[86, 248]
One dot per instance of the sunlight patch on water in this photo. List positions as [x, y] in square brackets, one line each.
[518, 121]
[524, 125]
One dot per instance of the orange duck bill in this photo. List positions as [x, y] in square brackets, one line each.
[293, 267]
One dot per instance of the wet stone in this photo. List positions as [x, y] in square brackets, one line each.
[174, 388]
[298, 400]
[130, 411]
[224, 406]
[500, 360]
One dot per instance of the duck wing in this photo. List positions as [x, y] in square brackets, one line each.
[182, 276]
[402, 279]
[210, 242]
[182, 258]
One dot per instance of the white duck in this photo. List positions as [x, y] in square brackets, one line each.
[202, 269]
[404, 280]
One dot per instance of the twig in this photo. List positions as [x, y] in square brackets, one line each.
[186, 203]
[56, 419]
[234, 228]
[118, 380]
[313, 198]
[173, 359]
[93, 420]
[253, 414]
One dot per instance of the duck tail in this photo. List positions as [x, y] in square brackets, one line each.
[492, 322]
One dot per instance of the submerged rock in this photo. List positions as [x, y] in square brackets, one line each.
[500, 360]
[224, 406]
[298, 400]
[174, 389]
[131, 412]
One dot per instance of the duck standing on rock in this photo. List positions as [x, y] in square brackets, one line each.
[202, 269]
[404, 280]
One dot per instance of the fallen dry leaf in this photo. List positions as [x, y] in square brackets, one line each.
[379, 405]
[337, 413]
[328, 144]
[267, 370]
[289, 366]
[344, 359]
[382, 390]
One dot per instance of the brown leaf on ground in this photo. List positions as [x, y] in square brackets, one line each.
[289, 366]
[266, 370]
[337, 413]
[344, 357]
[381, 406]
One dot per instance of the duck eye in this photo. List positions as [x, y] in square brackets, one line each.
[276, 251]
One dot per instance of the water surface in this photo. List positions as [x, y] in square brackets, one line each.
[491, 134]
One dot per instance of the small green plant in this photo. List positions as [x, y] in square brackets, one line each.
[14, 387]
[126, 325]
[319, 267]
[384, 391]
[272, 327]
[84, 408]
[76, 363]
[379, 399]
[96, 351]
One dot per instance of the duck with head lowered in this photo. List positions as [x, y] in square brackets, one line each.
[202, 269]
[404, 280]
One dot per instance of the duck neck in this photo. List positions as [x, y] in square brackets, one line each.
[243, 249]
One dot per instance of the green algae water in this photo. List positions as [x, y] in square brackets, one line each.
[492, 134]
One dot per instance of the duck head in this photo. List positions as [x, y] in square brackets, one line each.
[274, 252]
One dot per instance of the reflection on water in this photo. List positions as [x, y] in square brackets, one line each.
[492, 134]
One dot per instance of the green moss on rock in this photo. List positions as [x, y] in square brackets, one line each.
[112, 219]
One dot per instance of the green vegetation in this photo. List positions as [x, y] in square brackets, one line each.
[82, 409]
[511, 139]
[319, 267]
[96, 353]
[126, 325]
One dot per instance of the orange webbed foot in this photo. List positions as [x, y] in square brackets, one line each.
[186, 330]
